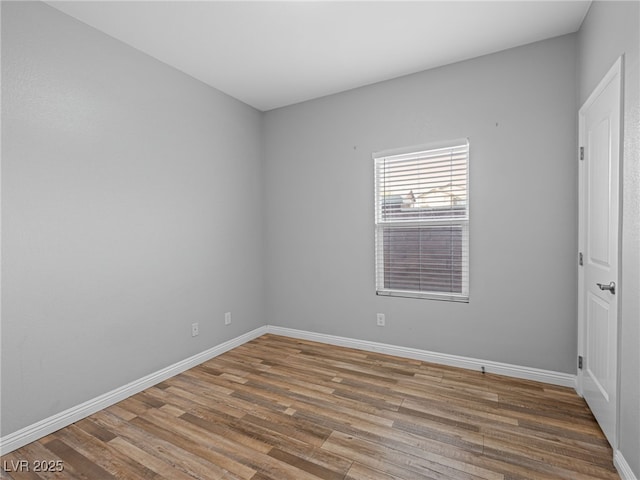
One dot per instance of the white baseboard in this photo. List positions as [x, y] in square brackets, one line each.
[545, 376]
[623, 467]
[33, 432]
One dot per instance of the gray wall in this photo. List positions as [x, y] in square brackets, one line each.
[518, 108]
[612, 29]
[131, 201]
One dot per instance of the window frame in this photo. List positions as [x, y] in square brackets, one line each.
[414, 152]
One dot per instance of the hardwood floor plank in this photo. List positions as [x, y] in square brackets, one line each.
[362, 472]
[576, 467]
[203, 446]
[105, 457]
[161, 467]
[77, 463]
[253, 458]
[278, 408]
[303, 464]
[34, 452]
[529, 440]
[170, 449]
[14, 468]
[391, 461]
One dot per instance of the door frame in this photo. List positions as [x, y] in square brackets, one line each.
[615, 70]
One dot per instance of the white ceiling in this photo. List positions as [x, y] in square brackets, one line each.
[271, 54]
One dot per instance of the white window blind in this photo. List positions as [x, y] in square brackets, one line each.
[422, 221]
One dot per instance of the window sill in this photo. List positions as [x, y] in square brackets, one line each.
[447, 297]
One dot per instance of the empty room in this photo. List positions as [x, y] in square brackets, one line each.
[320, 240]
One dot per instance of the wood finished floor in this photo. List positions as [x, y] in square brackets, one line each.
[285, 409]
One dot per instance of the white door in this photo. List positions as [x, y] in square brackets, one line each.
[599, 135]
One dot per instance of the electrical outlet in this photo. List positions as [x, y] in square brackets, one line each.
[227, 318]
[380, 319]
[195, 329]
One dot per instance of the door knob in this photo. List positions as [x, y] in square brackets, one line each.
[611, 287]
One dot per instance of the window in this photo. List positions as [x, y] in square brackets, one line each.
[422, 221]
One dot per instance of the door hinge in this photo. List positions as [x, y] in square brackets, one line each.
[580, 259]
[580, 362]
[581, 153]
